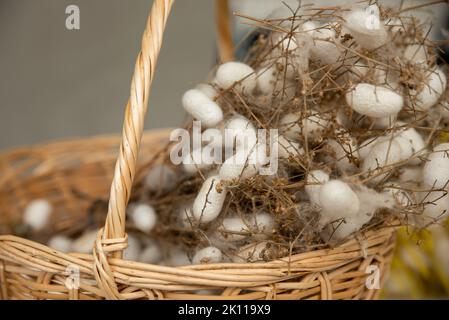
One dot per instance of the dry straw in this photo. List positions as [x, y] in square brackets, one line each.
[74, 176]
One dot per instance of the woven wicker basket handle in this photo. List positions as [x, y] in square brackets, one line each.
[136, 108]
[111, 240]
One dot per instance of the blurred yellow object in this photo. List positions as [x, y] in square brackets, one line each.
[420, 268]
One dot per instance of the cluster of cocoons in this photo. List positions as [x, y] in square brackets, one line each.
[357, 108]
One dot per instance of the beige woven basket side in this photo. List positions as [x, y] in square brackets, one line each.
[29, 270]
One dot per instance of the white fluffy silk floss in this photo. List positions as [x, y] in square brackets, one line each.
[236, 74]
[366, 27]
[143, 216]
[436, 169]
[202, 108]
[37, 214]
[209, 201]
[434, 85]
[337, 201]
[207, 255]
[315, 179]
[370, 201]
[374, 101]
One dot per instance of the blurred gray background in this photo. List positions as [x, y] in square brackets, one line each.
[56, 83]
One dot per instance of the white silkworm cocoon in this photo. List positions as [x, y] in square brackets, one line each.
[344, 151]
[209, 201]
[85, 243]
[262, 225]
[315, 180]
[366, 28]
[443, 109]
[415, 53]
[313, 127]
[387, 79]
[245, 163]
[290, 125]
[37, 214]
[267, 80]
[366, 146]
[337, 201]
[382, 154]
[428, 96]
[143, 216]
[436, 205]
[208, 90]
[207, 255]
[185, 217]
[374, 101]
[60, 243]
[369, 202]
[132, 251]
[161, 177]
[151, 253]
[414, 141]
[257, 226]
[251, 253]
[310, 127]
[383, 123]
[231, 72]
[288, 148]
[401, 198]
[323, 47]
[233, 229]
[436, 170]
[198, 160]
[242, 132]
[410, 174]
[178, 257]
[359, 70]
[395, 25]
[202, 108]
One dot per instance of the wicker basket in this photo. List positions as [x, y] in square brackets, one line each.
[29, 270]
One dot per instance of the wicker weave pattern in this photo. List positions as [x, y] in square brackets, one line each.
[29, 270]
